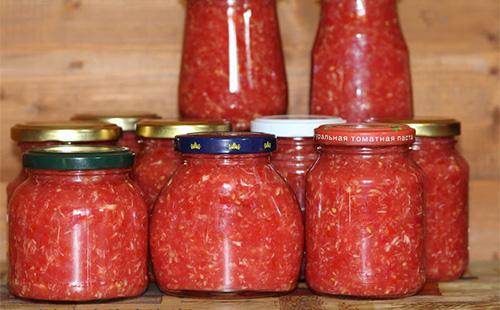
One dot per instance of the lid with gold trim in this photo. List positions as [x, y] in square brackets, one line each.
[64, 131]
[226, 143]
[433, 126]
[168, 129]
[125, 120]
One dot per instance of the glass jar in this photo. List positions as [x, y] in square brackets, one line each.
[360, 62]
[125, 120]
[446, 197]
[232, 63]
[77, 226]
[158, 159]
[237, 225]
[364, 213]
[39, 134]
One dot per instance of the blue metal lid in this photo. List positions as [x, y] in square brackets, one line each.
[225, 143]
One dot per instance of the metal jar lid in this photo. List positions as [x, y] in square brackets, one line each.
[125, 120]
[168, 129]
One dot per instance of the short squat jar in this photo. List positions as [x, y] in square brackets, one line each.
[125, 120]
[237, 225]
[446, 197]
[46, 133]
[158, 159]
[364, 213]
[77, 226]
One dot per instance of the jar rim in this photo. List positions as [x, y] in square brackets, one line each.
[293, 125]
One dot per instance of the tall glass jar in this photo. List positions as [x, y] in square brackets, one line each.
[39, 134]
[364, 213]
[77, 226]
[232, 62]
[158, 159]
[446, 197]
[237, 225]
[360, 62]
[125, 120]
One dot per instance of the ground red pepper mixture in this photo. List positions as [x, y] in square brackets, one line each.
[446, 197]
[77, 236]
[158, 159]
[232, 63]
[364, 213]
[360, 66]
[237, 224]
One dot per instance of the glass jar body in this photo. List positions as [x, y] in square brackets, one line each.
[364, 222]
[237, 224]
[77, 236]
[446, 207]
[129, 140]
[26, 146]
[232, 64]
[154, 165]
[360, 68]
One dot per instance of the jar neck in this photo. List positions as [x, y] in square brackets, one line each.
[435, 143]
[47, 173]
[359, 12]
[235, 4]
[162, 143]
[226, 159]
[295, 148]
[384, 151]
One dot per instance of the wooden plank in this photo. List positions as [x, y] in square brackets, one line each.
[478, 289]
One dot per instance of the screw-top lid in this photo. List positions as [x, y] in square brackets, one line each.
[433, 126]
[168, 129]
[298, 125]
[365, 134]
[78, 157]
[226, 143]
[64, 131]
[125, 120]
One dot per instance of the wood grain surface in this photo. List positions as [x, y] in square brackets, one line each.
[478, 289]
[61, 57]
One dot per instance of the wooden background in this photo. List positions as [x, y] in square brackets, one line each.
[60, 57]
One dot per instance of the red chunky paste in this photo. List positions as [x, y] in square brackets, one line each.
[364, 214]
[77, 235]
[237, 228]
[129, 140]
[232, 63]
[446, 193]
[360, 67]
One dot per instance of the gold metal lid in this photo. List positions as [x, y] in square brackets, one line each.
[125, 120]
[433, 126]
[64, 131]
[163, 128]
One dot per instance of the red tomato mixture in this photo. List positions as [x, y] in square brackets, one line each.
[237, 227]
[77, 236]
[129, 140]
[232, 63]
[364, 213]
[446, 193]
[360, 67]
[153, 167]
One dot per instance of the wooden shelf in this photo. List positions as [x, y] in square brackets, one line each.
[479, 288]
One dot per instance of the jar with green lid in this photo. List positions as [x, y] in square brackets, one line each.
[157, 159]
[77, 226]
[39, 134]
[127, 121]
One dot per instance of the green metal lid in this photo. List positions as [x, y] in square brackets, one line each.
[78, 157]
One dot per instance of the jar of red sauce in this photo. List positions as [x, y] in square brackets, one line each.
[158, 159]
[232, 62]
[360, 62]
[125, 120]
[39, 134]
[446, 196]
[226, 223]
[77, 226]
[364, 213]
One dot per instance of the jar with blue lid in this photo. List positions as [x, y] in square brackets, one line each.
[237, 223]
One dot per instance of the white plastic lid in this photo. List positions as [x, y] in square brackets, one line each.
[293, 125]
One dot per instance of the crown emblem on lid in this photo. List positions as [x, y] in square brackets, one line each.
[234, 146]
[195, 146]
[267, 145]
